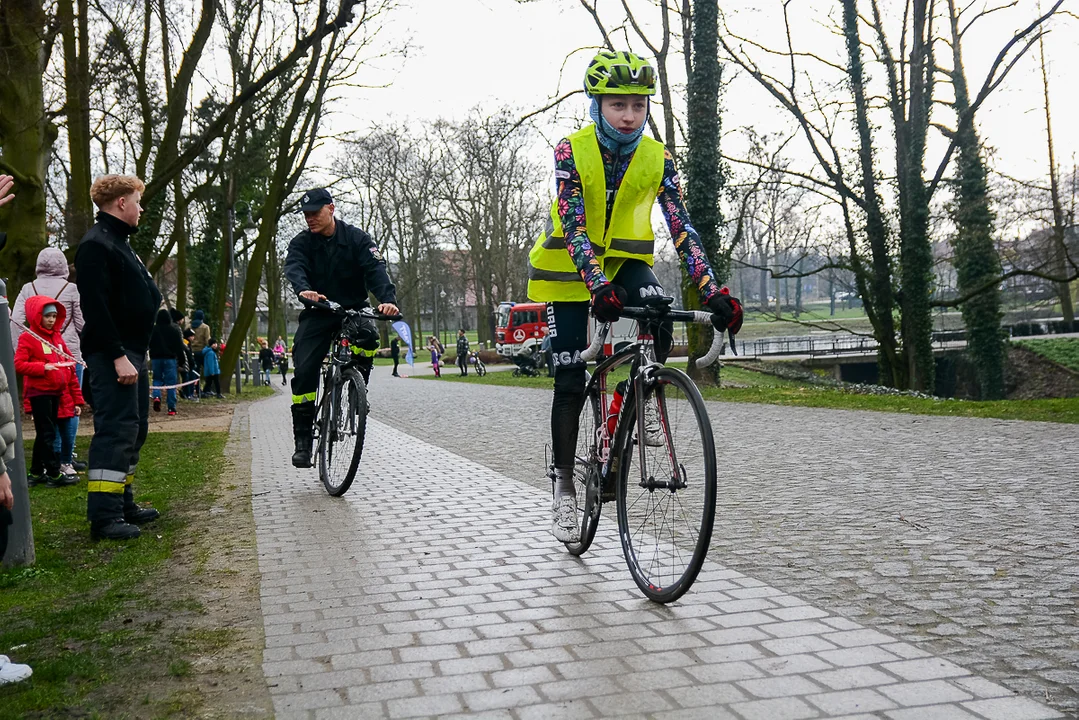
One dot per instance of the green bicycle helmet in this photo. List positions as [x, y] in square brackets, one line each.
[619, 73]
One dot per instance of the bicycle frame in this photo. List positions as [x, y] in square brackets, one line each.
[642, 356]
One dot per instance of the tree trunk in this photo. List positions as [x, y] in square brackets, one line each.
[916, 255]
[222, 282]
[26, 137]
[704, 179]
[273, 295]
[79, 211]
[879, 301]
[1060, 250]
[181, 270]
[976, 260]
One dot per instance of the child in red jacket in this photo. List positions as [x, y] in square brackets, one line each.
[47, 377]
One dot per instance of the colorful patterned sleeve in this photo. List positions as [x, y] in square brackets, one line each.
[570, 195]
[686, 239]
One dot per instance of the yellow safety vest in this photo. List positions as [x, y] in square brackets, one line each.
[552, 276]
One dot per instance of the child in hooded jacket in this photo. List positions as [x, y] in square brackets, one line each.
[47, 376]
[211, 370]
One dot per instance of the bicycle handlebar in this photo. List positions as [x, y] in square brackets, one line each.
[660, 313]
[335, 308]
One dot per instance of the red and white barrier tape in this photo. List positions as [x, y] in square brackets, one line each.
[71, 358]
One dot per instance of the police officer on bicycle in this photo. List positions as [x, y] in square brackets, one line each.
[331, 260]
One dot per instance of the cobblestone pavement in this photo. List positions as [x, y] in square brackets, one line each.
[956, 535]
[433, 589]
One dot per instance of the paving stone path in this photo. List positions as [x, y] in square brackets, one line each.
[433, 589]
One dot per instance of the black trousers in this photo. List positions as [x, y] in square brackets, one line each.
[567, 325]
[396, 360]
[44, 460]
[121, 417]
[309, 349]
[462, 363]
[212, 385]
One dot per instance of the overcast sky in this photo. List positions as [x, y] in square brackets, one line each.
[464, 53]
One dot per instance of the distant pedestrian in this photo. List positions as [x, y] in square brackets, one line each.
[282, 365]
[120, 302]
[436, 355]
[47, 377]
[395, 353]
[166, 351]
[201, 338]
[462, 353]
[548, 356]
[211, 370]
[188, 372]
[266, 360]
[279, 346]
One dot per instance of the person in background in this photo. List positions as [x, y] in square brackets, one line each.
[9, 672]
[395, 353]
[166, 350]
[56, 280]
[266, 360]
[47, 376]
[548, 356]
[282, 364]
[211, 370]
[436, 353]
[188, 371]
[279, 346]
[201, 338]
[462, 353]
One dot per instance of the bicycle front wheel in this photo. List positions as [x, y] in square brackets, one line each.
[666, 489]
[586, 467]
[342, 429]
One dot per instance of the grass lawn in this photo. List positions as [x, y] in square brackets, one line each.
[754, 387]
[1063, 351]
[92, 618]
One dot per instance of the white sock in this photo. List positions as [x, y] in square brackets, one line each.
[563, 482]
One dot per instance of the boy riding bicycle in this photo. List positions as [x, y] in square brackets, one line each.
[331, 260]
[598, 246]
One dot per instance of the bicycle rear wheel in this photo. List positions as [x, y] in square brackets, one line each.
[666, 491]
[342, 429]
[586, 467]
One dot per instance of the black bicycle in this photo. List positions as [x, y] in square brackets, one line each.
[341, 406]
[658, 462]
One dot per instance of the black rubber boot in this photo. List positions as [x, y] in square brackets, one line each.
[106, 514]
[303, 419]
[135, 515]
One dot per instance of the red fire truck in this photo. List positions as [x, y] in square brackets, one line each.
[520, 327]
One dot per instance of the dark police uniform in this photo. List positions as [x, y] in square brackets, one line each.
[344, 268]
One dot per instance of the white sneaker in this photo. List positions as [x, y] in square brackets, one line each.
[653, 432]
[565, 525]
[13, 672]
[67, 470]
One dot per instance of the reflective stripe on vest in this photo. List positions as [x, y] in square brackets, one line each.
[552, 276]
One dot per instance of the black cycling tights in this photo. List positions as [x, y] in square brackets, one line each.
[567, 323]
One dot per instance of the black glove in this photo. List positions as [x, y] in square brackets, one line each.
[607, 303]
[722, 310]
